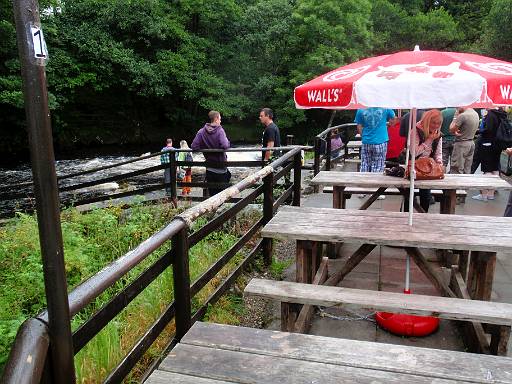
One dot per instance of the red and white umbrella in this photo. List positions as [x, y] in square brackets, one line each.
[411, 79]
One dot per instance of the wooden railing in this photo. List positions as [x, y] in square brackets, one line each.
[322, 159]
[24, 190]
[33, 339]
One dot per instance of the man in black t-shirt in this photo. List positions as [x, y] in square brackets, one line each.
[271, 137]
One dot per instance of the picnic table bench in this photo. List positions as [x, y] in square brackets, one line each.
[449, 185]
[288, 293]
[214, 354]
[481, 236]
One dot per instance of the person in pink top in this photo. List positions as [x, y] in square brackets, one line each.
[429, 143]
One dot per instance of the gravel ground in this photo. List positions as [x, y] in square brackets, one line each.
[261, 312]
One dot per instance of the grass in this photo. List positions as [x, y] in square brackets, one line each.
[92, 241]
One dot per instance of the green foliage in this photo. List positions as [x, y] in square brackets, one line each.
[496, 38]
[91, 241]
[278, 267]
[141, 67]
[435, 29]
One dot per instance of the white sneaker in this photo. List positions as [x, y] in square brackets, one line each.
[479, 197]
[361, 196]
[381, 197]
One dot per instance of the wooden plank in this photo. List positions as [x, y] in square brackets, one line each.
[451, 181]
[391, 228]
[388, 191]
[499, 339]
[458, 366]
[306, 313]
[474, 334]
[163, 377]
[400, 224]
[352, 219]
[431, 216]
[378, 236]
[443, 307]
[248, 367]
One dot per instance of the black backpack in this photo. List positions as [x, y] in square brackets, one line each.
[504, 134]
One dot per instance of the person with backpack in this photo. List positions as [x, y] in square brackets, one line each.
[508, 209]
[489, 149]
[429, 143]
[185, 172]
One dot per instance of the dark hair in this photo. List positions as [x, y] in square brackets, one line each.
[268, 112]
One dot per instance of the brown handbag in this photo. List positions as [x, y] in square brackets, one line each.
[426, 169]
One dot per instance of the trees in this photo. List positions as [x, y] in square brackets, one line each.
[140, 66]
[496, 39]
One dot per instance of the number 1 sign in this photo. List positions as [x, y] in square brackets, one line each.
[40, 51]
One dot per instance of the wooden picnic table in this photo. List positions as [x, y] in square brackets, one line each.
[449, 185]
[480, 236]
[214, 354]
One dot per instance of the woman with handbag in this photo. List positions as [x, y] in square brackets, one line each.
[428, 144]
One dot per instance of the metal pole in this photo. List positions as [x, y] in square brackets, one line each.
[412, 173]
[32, 49]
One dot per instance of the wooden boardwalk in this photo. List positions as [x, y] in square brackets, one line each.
[214, 354]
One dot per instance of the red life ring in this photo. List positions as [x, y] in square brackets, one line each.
[407, 325]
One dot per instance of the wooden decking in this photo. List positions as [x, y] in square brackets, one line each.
[213, 354]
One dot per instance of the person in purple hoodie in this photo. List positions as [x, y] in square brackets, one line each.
[212, 136]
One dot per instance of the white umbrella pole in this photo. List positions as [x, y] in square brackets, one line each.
[412, 140]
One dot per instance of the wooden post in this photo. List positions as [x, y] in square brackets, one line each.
[481, 274]
[499, 339]
[297, 179]
[33, 73]
[181, 280]
[304, 261]
[268, 210]
[289, 140]
[316, 164]
[328, 151]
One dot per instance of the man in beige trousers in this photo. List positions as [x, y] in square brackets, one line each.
[464, 127]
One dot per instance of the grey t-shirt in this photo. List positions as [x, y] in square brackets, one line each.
[467, 122]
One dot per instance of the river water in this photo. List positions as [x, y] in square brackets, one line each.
[10, 178]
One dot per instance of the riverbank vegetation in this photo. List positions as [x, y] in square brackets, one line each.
[123, 71]
[91, 241]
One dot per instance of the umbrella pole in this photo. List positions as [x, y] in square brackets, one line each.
[412, 175]
[407, 274]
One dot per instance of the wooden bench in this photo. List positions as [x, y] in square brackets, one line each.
[214, 354]
[289, 293]
[349, 191]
